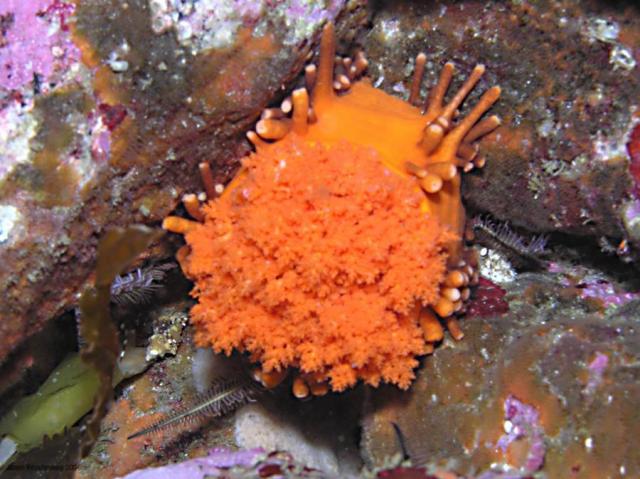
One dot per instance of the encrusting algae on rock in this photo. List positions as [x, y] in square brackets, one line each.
[337, 248]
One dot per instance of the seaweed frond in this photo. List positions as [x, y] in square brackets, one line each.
[117, 248]
[138, 286]
[224, 397]
[499, 235]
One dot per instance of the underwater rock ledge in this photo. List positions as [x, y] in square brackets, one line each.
[548, 387]
[567, 157]
[114, 113]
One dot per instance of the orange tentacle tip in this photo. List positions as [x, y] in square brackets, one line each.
[336, 251]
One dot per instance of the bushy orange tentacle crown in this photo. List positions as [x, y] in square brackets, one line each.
[336, 250]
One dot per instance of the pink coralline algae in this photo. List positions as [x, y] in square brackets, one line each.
[313, 12]
[596, 370]
[217, 460]
[223, 463]
[487, 300]
[606, 292]
[522, 423]
[595, 286]
[34, 43]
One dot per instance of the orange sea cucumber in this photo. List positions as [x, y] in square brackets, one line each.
[337, 247]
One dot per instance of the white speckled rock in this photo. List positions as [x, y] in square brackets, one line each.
[255, 426]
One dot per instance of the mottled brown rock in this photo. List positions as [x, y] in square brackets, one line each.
[569, 369]
[570, 86]
[116, 138]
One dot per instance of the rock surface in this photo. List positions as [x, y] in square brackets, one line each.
[549, 386]
[106, 122]
[570, 88]
[319, 434]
